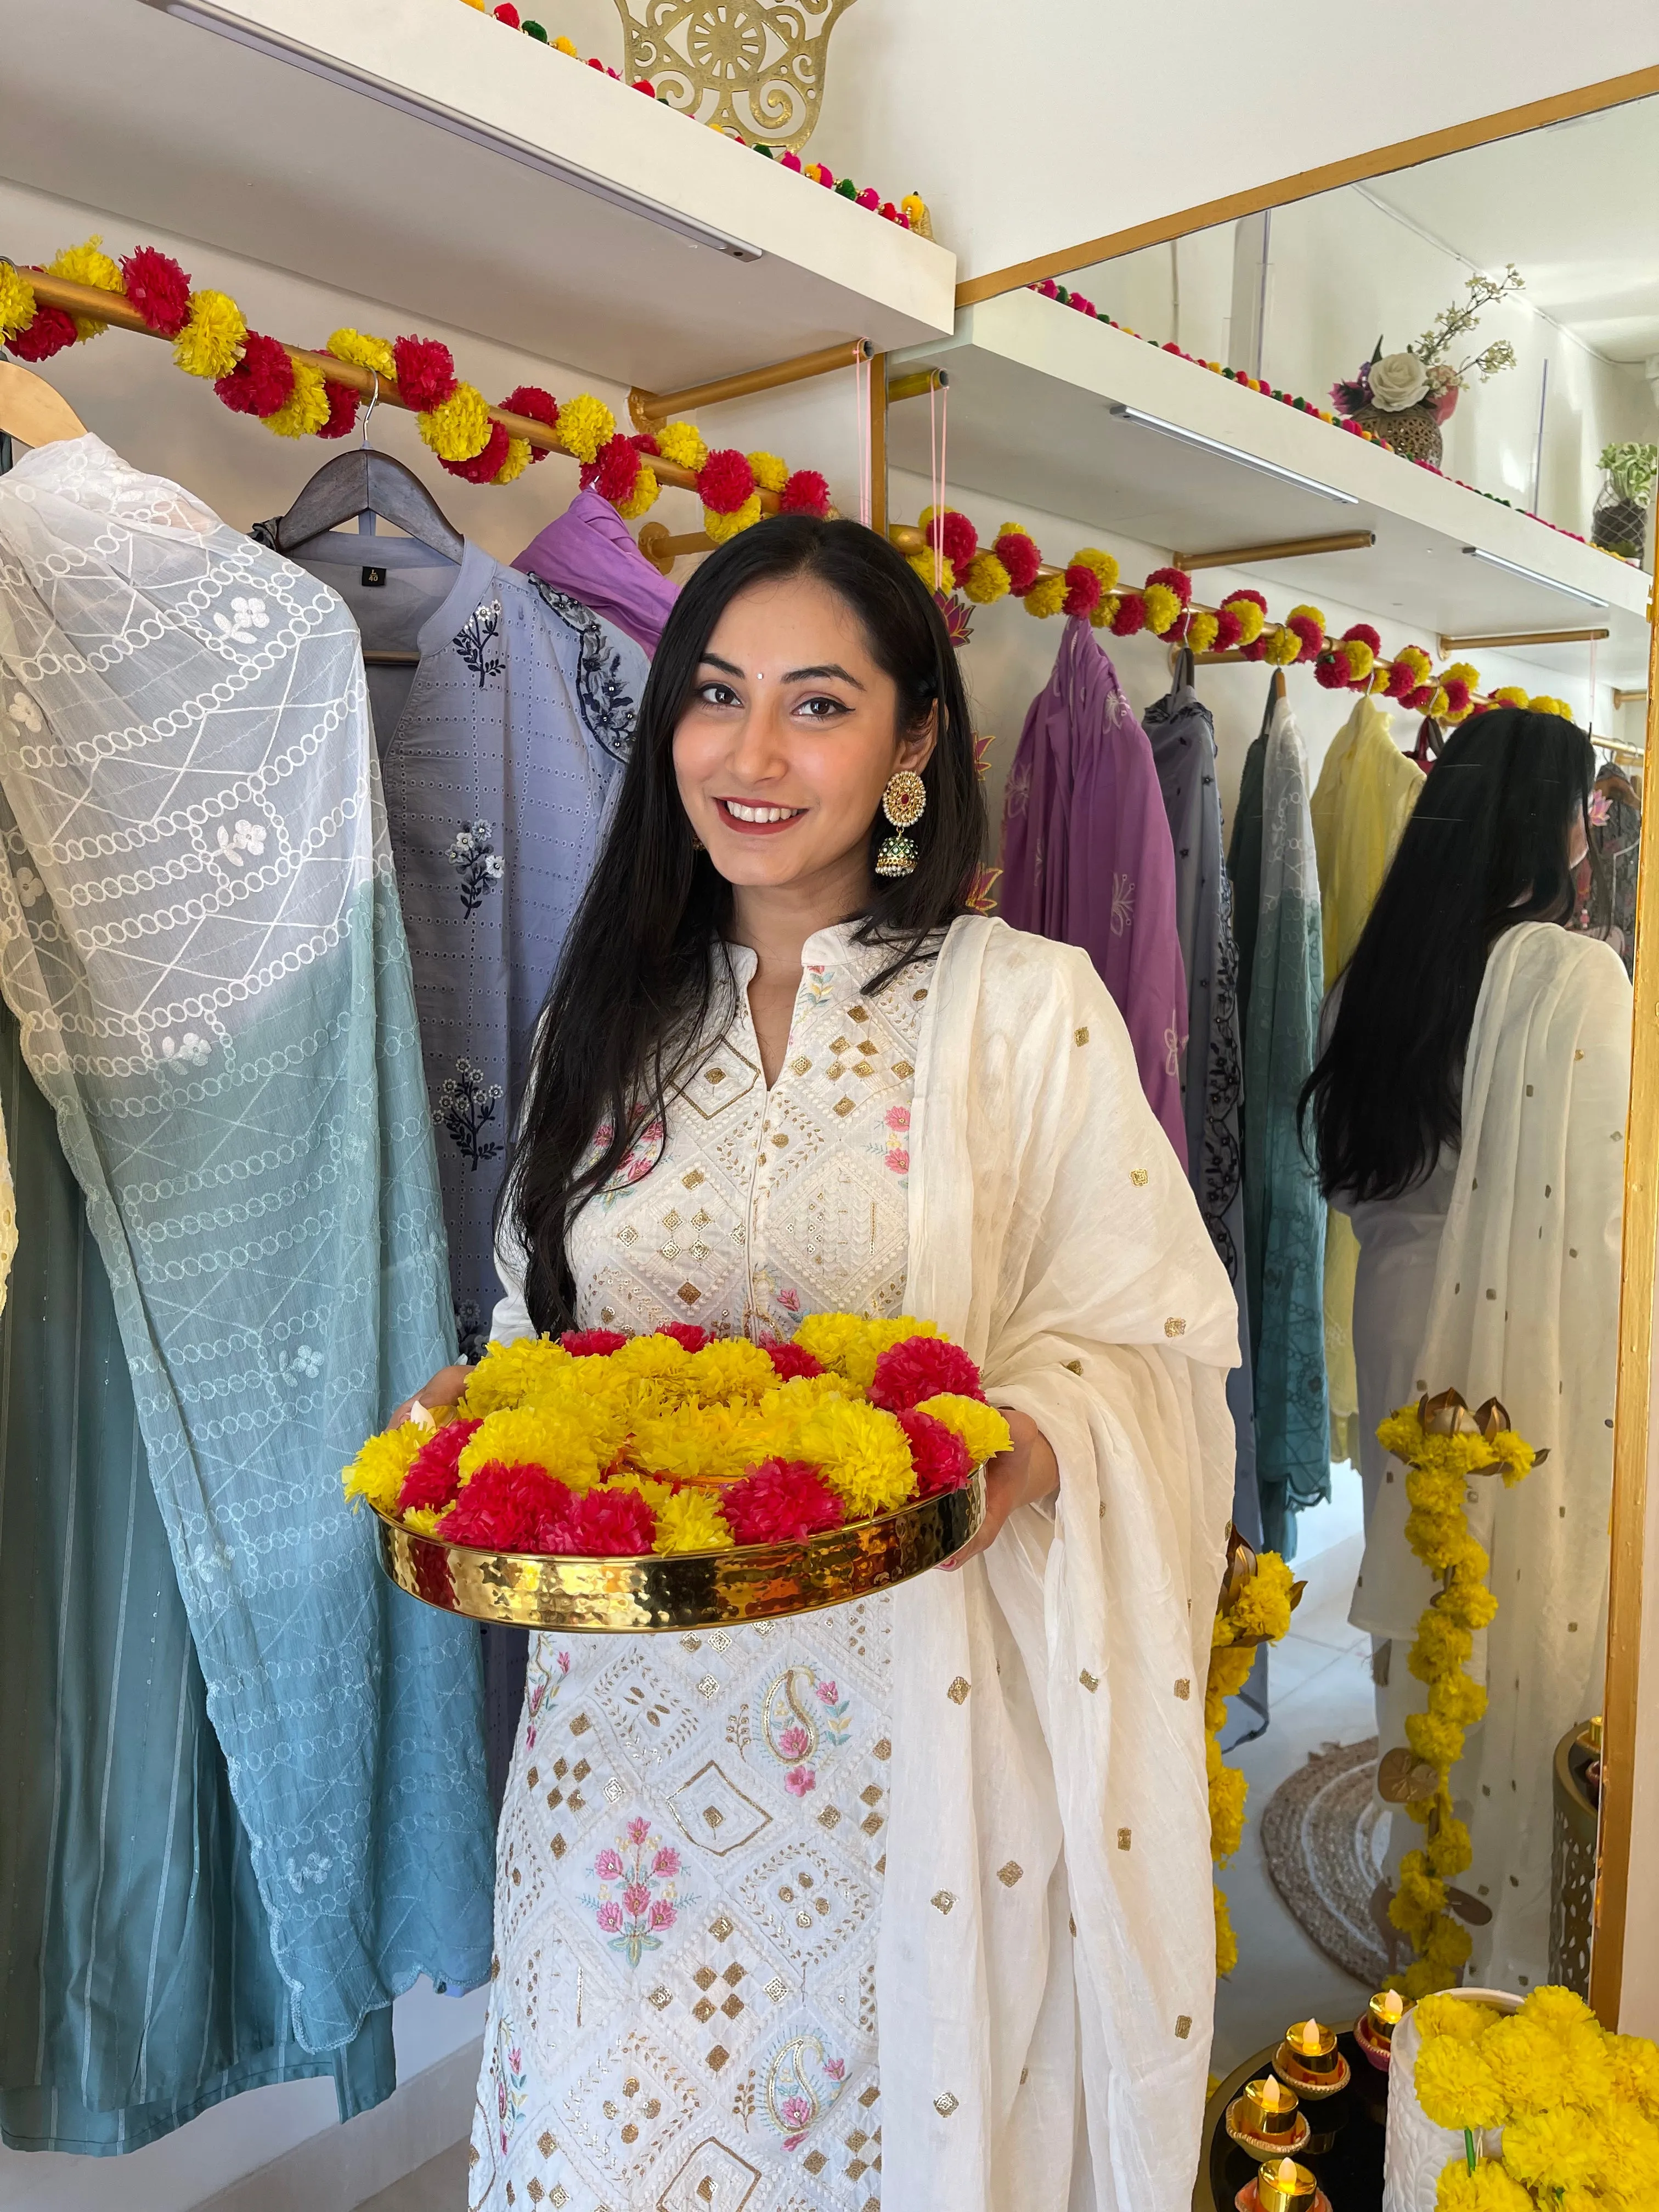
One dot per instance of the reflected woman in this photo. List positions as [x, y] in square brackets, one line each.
[894, 1902]
[1469, 1114]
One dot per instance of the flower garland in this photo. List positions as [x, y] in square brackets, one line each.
[1578, 2107]
[604, 1444]
[1258, 1597]
[910, 214]
[1443, 1447]
[951, 560]
[253, 375]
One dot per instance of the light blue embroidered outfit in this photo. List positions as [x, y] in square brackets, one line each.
[200, 937]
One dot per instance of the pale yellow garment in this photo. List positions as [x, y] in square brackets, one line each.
[1361, 805]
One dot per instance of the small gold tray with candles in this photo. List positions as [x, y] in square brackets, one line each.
[1264, 2119]
[1309, 2062]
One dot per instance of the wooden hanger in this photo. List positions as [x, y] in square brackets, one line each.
[1278, 683]
[32, 410]
[366, 482]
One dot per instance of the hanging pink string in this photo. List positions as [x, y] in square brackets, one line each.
[861, 400]
[939, 421]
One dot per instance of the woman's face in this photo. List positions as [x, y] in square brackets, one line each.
[782, 754]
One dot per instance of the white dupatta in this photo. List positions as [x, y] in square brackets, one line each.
[1047, 1916]
[1526, 1308]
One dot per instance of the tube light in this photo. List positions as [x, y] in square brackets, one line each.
[1496, 560]
[207, 17]
[1233, 453]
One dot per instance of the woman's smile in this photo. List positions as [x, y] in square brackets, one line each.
[754, 820]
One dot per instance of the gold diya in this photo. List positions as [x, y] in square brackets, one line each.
[1264, 2119]
[1309, 2060]
[1282, 2185]
[682, 1590]
[1374, 2029]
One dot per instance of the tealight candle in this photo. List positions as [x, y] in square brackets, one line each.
[1270, 2107]
[1312, 2046]
[1282, 2185]
[1385, 2012]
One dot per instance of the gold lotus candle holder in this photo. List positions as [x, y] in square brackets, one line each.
[1265, 2119]
[1309, 2060]
[1374, 2029]
[1282, 2185]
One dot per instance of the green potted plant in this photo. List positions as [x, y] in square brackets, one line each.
[1620, 522]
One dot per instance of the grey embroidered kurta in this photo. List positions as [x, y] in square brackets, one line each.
[498, 757]
[1183, 736]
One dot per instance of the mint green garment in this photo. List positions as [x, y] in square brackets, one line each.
[1284, 1211]
[136, 1983]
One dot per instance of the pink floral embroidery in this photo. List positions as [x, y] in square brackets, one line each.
[648, 1904]
[793, 1743]
[898, 1159]
[537, 1695]
[799, 1780]
[802, 1719]
[898, 1117]
[789, 1300]
[828, 1693]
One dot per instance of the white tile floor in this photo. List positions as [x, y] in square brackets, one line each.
[437, 2186]
[1320, 1694]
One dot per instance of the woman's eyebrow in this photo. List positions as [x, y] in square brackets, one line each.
[828, 668]
[713, 660]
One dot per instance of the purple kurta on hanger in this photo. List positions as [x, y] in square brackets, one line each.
[588, 553]
[1088, 860]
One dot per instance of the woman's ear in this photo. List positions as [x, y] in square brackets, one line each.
[916, 749]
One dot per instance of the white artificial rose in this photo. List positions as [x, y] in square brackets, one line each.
[1398, 380]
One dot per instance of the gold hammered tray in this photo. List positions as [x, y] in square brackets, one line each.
[684, 1589]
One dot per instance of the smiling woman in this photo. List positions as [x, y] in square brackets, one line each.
[774, 1080]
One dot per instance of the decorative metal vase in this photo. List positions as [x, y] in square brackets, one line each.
[753, 66]
[1618, 523]
[1413, 431]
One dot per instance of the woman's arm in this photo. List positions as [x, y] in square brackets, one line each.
[1023, 1475]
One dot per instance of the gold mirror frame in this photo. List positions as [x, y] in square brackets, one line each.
[1641, 1217]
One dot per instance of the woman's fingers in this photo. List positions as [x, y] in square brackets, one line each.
[445, 1387]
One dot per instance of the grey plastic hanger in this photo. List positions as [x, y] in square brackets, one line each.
[361, 485]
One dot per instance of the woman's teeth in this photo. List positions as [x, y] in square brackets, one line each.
[761, 813]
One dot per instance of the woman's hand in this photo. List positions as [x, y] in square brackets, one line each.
[445, 1387]
[1028, 1470]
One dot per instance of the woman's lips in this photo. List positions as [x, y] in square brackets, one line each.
[780, 817]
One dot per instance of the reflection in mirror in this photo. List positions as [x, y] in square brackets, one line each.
[1433, 877]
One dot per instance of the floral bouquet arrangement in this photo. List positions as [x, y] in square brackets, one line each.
[604, 1445]
[1405, 397]
[1578, 2108]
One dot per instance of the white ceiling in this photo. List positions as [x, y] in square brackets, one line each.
[1577, 206]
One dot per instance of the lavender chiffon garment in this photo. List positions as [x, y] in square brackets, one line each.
[1088, 858]
[588, 553]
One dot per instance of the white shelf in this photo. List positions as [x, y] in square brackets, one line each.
[117, 105]
[1032, 388]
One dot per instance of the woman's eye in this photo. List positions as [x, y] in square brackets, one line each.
[821, 708]
[718, 694]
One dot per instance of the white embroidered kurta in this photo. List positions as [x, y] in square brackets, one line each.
[694, 1838]
[1017, 1880]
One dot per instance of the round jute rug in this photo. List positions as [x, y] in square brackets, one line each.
[1324, 1835]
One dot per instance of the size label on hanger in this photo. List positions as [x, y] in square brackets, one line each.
[374, 576]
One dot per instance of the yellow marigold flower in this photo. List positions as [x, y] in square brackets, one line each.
[1104, 565]
[422, 1519]
[699, 1441]
[732, 1368]
[1250, 619]
[1202, 630]
[1468, 1602]
[981, 1427]
[1227, 1793]
[512, 1374]
[87, 263]
[1442, 1645]
[1226, 1943]
[210, 343]
[1488, 2189]
[1449, 1851]
[863, 1453]
[840, 1341]
[782, 1411]
[517, 461]
[691, 1521]
[1435, 1489]
[1284, 646]
[643, 497]
[574, 1438]
[1402, 1434]
[1438, 1741]
[935, 570]
[1263, 1606]
[459, 429]
[563, 46]
[1551, 2150]
[1447, 1946]
[1046, 597]
[307, 407]
[585, 424]
[1628, 2143]
[1417, 1894]
[1163, 608]
[719, 527]
[1515, 1456]
[1422, 1979]
[1636, 2070]
[377, 1473]
[364, 351]
[1456, 2087]
[1457, 1700]
[660, 1357]
[1230, 1669]
[17, 301]
[882, 1335]
[1465, 2018]
[682, 444]
[1527, 2062]
[771, 473]
[985, 579]
[655, 1494]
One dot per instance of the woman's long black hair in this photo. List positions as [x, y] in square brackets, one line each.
[1486, 847]
[636, 987]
